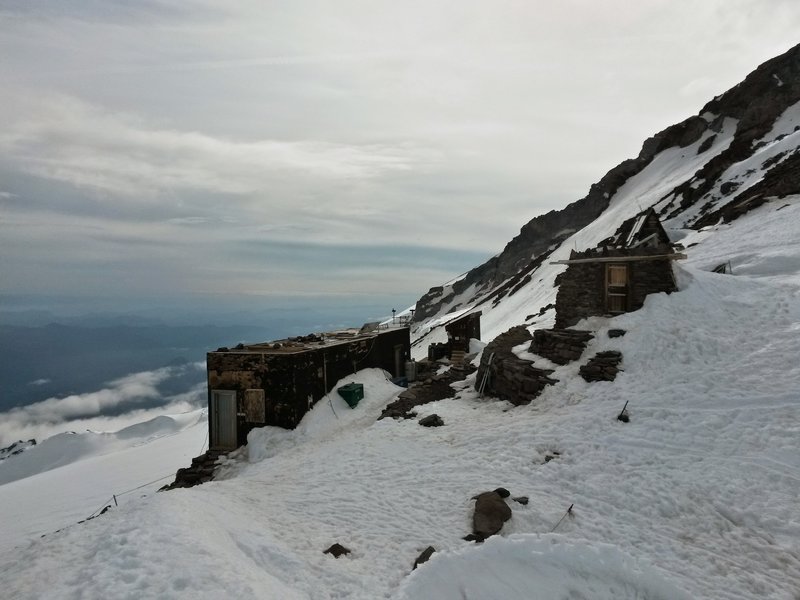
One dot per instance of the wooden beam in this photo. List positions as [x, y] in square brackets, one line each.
[611, 259]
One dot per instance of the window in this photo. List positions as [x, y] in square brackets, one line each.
[617, 275]
[254, 406]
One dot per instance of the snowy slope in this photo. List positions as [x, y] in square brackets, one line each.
[696, 497]
[68, 477]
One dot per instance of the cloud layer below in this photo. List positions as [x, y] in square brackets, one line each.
[126, 401]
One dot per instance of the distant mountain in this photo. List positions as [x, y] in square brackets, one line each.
[738, 151]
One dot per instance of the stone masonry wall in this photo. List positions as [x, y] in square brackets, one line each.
[581, 292]
[510, 377]
[560, 346]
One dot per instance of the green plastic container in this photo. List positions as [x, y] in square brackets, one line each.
[352, 393]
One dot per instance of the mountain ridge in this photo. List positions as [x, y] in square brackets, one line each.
[756, 103]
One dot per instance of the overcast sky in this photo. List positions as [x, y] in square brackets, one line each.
[261, 148]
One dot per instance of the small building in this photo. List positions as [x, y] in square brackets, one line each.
[460, 331]
[276, 383]
[617, 276]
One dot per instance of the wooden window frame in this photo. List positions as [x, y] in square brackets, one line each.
[617, 291]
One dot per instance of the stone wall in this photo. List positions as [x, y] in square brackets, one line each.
[560, 346]
[510, 377]
[293, 382]
[582, 291]
[603, 366]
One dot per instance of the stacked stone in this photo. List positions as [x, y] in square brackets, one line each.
[560, 346]
[603, 366]
[201, 471]
[432, 389]
[510, 377]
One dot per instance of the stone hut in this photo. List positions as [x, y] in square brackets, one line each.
[276, 383]
[617, 276]
[461, 330]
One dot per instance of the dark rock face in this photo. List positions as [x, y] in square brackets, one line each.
[615, 333]
[431, 421]
[542, 232]
[603, 366]
[424, 556]
[560, 346]
[780, 181]
[491, 512]
[337, 550]
[756, 103]
[507, 376]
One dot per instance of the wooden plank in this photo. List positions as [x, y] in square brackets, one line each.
[611, 259]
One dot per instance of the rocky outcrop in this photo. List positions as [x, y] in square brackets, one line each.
[755, 103]
[780, 181]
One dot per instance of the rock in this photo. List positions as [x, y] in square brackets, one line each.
[521, 500]
[615, 333]
[431, 421]
[337, 550]
[728, 187]
[491, 512]
[424, 556]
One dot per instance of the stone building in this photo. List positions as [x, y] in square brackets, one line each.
[276, 383]
[617, 276]
[459, 332]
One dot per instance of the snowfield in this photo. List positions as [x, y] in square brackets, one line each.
[696, 497]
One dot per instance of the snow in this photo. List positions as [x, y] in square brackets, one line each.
[538, 568]
[42, 498]
[695, 497]
[65, 448]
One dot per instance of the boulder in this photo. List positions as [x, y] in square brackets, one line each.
[431, 421]
[491, 512]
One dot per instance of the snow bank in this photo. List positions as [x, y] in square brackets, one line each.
[526, 567]
[42, 500]
[329, 416]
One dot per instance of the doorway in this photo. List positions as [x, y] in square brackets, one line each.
[223, 420]
[616, 288]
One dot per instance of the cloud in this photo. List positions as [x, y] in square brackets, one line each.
[65, 139]
[134, 166]
[133, 394]
[39, 382]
